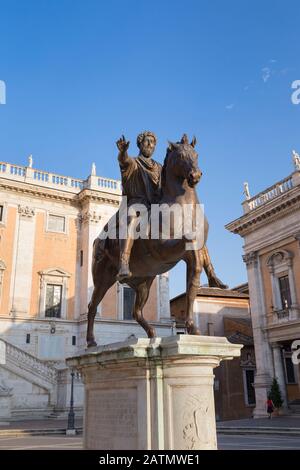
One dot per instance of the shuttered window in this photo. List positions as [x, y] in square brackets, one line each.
[128, 302]
[56, 223]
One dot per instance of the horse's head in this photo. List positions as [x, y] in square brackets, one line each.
[182, 160]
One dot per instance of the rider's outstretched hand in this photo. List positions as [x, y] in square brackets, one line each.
[122, 144]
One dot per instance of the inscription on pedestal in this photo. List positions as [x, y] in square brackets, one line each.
[112, 419]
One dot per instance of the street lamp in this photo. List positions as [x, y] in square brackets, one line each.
[71, 416]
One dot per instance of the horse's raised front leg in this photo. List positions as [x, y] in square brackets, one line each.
[194, 268]
[142, 293]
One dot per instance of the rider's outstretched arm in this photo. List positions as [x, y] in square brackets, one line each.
[123, 157]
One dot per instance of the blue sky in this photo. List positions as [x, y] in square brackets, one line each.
[81, 72]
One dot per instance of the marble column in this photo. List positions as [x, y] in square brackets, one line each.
[21, 278]
[163, 298]
[264, 362]
[295, 306]
[279, 372]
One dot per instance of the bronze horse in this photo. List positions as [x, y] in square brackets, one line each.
[150, 257]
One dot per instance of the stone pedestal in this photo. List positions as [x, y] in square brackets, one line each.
[152, 394]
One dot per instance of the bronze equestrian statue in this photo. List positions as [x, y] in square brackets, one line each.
[141, 183]
[144, 181]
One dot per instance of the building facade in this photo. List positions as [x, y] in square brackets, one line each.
[48, 223]
[219, 312]
[270, 227]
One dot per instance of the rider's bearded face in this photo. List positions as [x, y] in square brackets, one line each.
[147, 146]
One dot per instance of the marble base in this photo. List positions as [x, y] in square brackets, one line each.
[152, 394]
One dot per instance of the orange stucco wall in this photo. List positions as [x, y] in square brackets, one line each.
[109, 304]
[150, 309]
[7, 234]
[54, 250]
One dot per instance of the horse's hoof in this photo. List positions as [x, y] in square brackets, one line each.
[196, 331]
[151, 333]
[91, 343]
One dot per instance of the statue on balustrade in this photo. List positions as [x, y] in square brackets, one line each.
[296, 159]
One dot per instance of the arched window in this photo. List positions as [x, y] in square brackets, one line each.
[280, 265]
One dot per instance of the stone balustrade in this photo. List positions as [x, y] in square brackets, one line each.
[28, 362]
[55, 181]
[270, 193]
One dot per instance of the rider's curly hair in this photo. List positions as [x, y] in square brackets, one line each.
[144, 134]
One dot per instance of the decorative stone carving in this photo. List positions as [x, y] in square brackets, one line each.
[251, 259]
[194, 413]
[279, 257]
[297, 237]
[91, 216]
[26, 211]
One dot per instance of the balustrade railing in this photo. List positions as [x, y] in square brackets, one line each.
[53, 180]
[270, 193]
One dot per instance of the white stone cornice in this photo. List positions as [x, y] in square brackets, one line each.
[273, 210]
[77, 199]
[89, 195]
[37, 191]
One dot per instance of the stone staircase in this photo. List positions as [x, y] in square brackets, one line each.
[294, 406]
[33, 382]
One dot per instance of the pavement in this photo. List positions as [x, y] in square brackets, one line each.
[260, 442]
[278, 425]
[41, 443]
[288, 426]
[38, 427]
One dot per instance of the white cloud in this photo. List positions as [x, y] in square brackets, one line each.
[266, 74]
[229, 106]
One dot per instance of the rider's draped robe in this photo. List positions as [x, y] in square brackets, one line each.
[141, 183]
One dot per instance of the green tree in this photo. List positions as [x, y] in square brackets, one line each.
[275, 394]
